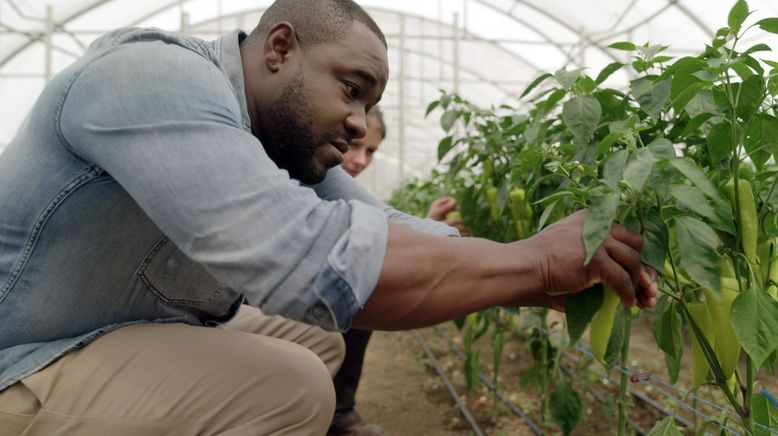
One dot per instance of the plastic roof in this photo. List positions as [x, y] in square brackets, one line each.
[487, 50]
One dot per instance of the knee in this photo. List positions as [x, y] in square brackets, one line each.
[311, 394]
[336, 347]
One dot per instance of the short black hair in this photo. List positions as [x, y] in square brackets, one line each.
[315, 21]
[376, 113]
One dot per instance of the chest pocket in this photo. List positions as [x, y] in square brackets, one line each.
[175, 279]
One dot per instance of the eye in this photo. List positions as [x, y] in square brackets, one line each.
[352, 90]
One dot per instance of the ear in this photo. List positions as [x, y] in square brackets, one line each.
[281, 40]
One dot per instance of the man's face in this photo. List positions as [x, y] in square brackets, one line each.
[322, 107]
[360, 154]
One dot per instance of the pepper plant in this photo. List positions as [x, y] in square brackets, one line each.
[686, 157]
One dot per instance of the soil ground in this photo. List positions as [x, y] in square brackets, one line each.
[401, 392]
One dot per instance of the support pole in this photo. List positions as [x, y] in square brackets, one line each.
[401, 105]
[49, 33]
[455, 54]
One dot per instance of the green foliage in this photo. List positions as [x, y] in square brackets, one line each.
[655, 157]
[580, 309]
[665, 427]
[566, 408]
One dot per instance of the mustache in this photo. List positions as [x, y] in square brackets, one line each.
[335, 135]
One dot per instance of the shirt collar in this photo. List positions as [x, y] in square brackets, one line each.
[229, 49]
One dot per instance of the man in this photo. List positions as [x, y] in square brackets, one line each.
[359, 156]
[154, 189]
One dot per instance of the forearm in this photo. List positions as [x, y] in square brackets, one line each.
[429, 279]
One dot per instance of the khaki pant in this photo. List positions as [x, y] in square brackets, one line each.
[257, 375]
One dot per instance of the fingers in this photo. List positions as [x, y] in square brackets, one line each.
[621, 233]
[613, 274]
[627, 257]
[648, 289]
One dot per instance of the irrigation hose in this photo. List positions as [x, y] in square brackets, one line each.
[454, 394]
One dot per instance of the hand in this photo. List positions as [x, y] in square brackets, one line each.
[442, 207]
[561, 253]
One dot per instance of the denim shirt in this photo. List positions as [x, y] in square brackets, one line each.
[136, 192]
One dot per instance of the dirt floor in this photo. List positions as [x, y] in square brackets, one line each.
[401, 391]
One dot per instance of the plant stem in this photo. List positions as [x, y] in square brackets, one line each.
[748, 419]
[544, 365]
[624, 375]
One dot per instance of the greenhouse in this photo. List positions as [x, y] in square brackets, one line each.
[655, 312]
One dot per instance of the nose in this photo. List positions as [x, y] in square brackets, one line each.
[356, 124]
[360, 157]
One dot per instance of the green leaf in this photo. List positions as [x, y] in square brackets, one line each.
[607, 71]
[751, 96]
[581, 115]
[698, 244]
[535, 83]
[623, 45]
[567, 78]
[720, 142]
[693, 198]
[579, 310]
[565, 407]
[552, 100]
[737, 15]
[584, 85]
[639, 169]
[613, 168]
[444, 146]
[662, 149]
[650, 95]
[607, 142]
[667, 332]
[768, 25]
[448, 119]
[761, 139]
[431, 107]
[757, 48]
[665, 427]
[598, 222]
[655, 237]
[695, 123]
[765, 413]
[691, 171]
[702, 103]
[686, 96]
[755, 321]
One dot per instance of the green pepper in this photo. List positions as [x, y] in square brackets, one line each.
[488, 170]
[491, 195]
[727, 347]
[768, 263]
[519, 208]
[747, 221]
[602, 323]
[701, 316]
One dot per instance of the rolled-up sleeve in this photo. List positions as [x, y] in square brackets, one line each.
[165, 123]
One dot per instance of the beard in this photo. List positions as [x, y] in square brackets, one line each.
[293, 140]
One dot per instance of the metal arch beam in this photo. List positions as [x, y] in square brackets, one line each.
[695, 19]
[416, 52]
[565, 25]
[668, 5]
[659, 12]
[469, 35]
[524, 23]
[60, 24]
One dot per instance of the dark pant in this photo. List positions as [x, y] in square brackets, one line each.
[347, 378]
